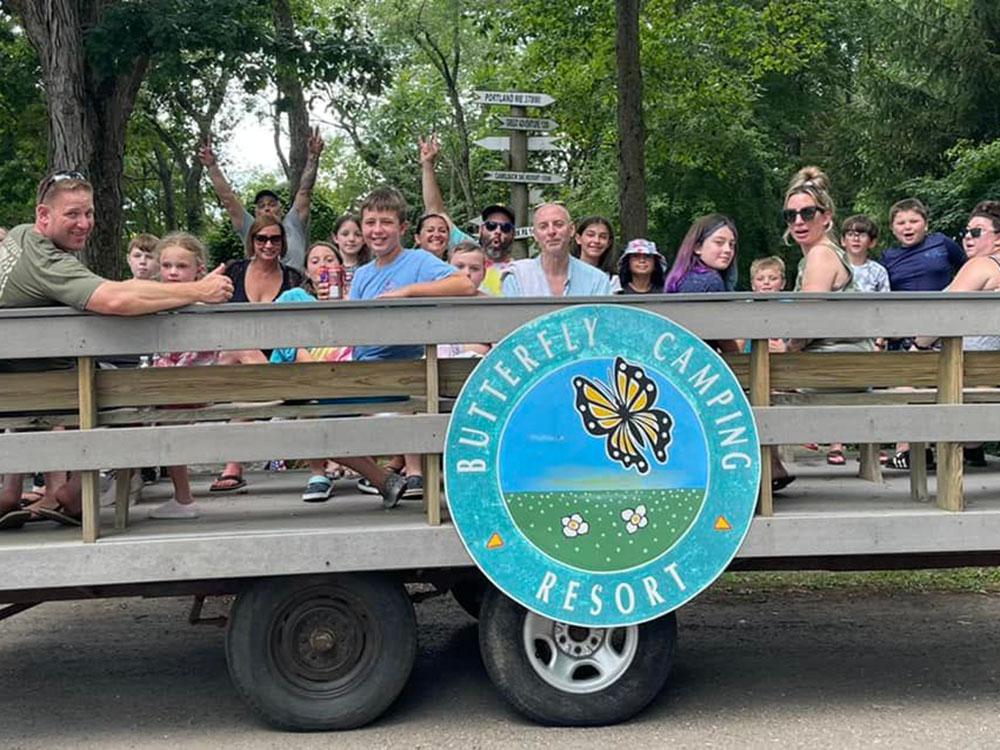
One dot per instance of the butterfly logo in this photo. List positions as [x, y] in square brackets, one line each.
[623, 412]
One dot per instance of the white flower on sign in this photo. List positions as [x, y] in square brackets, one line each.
[574, 525]
[634, 519]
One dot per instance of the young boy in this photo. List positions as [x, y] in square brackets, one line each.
[922, 262]
[141, 258]
[395, 273]
[767, 274]
[858, 235]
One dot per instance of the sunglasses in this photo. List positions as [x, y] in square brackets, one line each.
[60, 177]
[973, 232]
[506, 227]
[267, 239]
[808, 214]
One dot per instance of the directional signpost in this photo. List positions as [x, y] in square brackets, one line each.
[502, 143]
[517, 145]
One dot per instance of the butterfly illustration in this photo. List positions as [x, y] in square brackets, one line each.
[624, 413]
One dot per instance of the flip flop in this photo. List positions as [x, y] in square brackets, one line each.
[14, 519]
[57, 514]
[836, 458]
[240, 483]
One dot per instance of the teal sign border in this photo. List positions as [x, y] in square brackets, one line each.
[535, 579]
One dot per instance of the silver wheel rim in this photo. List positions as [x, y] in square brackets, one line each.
[576, 659]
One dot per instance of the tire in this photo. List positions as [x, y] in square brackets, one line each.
[321, 652]
[591, 677]
[469, 593]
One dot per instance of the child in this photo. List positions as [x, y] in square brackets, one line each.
[767, 274]
[469, 258]
[922, 262]
[641, 269]
[398, 273]
[141, 257]
[182, 258]
[858, 235]
[350, 244]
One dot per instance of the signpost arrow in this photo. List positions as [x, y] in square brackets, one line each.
[514, 98]
[527, 123]
[523, 233]
[502, 143]
[538, 178]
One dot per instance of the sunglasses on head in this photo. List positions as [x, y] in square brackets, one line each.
[267, 239]
[808, 214]
[506, 227]
[70, 174]
[973, 232]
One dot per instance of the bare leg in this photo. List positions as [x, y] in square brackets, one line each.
[367, 468]
[414, 467]
[182, 484]
[10, 495]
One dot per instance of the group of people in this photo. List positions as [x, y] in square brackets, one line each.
[366, 258]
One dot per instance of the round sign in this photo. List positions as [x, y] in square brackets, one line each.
[602, 465]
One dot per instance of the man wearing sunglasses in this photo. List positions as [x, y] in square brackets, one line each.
[496, 232]
[39, 265]
[267, 201]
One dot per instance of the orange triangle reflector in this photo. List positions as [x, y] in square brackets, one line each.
[495, 542]
[722, 524]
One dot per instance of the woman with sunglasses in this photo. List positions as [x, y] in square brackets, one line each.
[259, 277]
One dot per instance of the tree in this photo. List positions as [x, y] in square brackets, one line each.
[631, 126]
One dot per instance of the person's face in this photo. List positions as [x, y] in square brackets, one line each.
[178, 264]
[718, 249]
[909, 228]
[142, 264]
[382, 231]
[807, 232]
[348, 238]
[553, 229]
[318, 259]
[66, 218]
[268, 206]
[857, 243]
[986, 243]
[639, 265]
[267, 243]
[767, 280]
[594, 242]
[472, 265]
[496, 235]
[433, 236]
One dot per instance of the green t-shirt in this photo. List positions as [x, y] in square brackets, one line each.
[35, 273]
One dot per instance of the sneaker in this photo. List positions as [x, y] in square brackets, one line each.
[173, 509]
[319, 490]
[414, 488]
[395, 487]
[367, 488]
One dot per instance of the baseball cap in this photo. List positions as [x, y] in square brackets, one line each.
[498, 209]
[266, 194]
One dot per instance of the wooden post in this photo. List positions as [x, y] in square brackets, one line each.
[918, 472]
[760, 395]
[432, 462]
[949, 455]
[870, 468]
[123, 496]
[519, 191]
[87, 395]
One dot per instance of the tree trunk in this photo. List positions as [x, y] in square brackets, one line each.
[87, 114]
[631, 127]
[291, 98]
[165, 174]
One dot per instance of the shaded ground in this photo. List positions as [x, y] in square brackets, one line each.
[763, 661]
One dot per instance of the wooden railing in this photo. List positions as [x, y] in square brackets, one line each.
[955, 397]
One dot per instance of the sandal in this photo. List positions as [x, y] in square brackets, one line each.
[238, 483]
[836, 458]
[901, 460]
[58, 514]
[14, 519]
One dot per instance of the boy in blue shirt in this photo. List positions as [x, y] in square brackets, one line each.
[395, 273]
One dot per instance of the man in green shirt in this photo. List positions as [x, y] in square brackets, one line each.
[39, 267]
